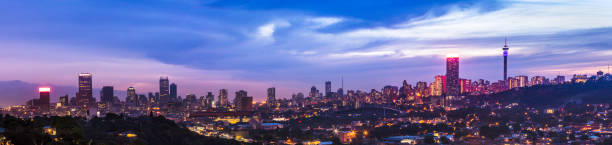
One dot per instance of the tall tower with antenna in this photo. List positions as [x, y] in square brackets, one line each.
[505, 58]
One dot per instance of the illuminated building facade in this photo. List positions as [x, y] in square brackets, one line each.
[438, 87]
[523, 81]
[559, 80]
[132, 98]
[223, 101]
[239, 95]
[466, 86]
[164, 90]
[271, 97]
[539, 80]
[328, 89]
[44, 96]
[85, 94]
[452, 75]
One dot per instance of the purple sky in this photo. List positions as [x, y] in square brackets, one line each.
[208, 45]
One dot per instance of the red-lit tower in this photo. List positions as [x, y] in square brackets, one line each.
[453, 88]
[45, 94]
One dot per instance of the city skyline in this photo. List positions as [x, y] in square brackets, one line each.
[306, 72]
[386, 48]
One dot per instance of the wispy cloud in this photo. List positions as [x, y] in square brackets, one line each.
[205, 47]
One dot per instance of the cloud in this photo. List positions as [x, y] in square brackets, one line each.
[205, 47]
[59, 65]
[321, 22]
[515, 18]
[266, 32]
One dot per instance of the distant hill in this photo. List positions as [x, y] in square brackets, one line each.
[555, 95]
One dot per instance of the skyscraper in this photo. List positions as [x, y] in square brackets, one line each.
[245, 104]
[223, 102]
[523, 81]
[239, 95]
[131, 98]
[505, 58]
[64, 100]
[164, 90]
[559, 80]
[438, 87]
[44, 99]
[210, 98]
[313, 92]
[466, 85]
[173, 92]
[421, 89]
[85, 94]
[107, 94]
[271, 97]
[452, 75]
[328, 89]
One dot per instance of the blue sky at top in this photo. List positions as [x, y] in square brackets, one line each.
[292, 45]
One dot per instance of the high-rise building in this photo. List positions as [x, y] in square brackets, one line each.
[64, 100]
[142, 100]
[85, 94]
[190, 101]
[173, 92]
[313, 92]
[44, 99]
[422, 89]
[579, 78]
[210, 98]
[523, 81]
[405, 89]
[452, 75]
[239, 95]
[341, 89]
[539, 80]
[107, 94]
[223, 101]
[512, 83]
[466, 86]
[559, 80]
[164, 90]
[131, 98]
[246, 104]
[328, 89]
[438, 87]
[271, 97]
[505, 49]
[390, 92]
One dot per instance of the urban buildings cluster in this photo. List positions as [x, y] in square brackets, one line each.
[239, 119]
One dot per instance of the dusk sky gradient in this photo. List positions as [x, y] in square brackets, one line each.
[292, 45]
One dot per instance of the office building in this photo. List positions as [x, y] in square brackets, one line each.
[173, 92]
[452, 75]
[107, 94]
[239, 95]
[271, 97]
[85, 95]
[44, 99]
[223, 101]
[328, 89]
[132, 98]
[164, 90]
